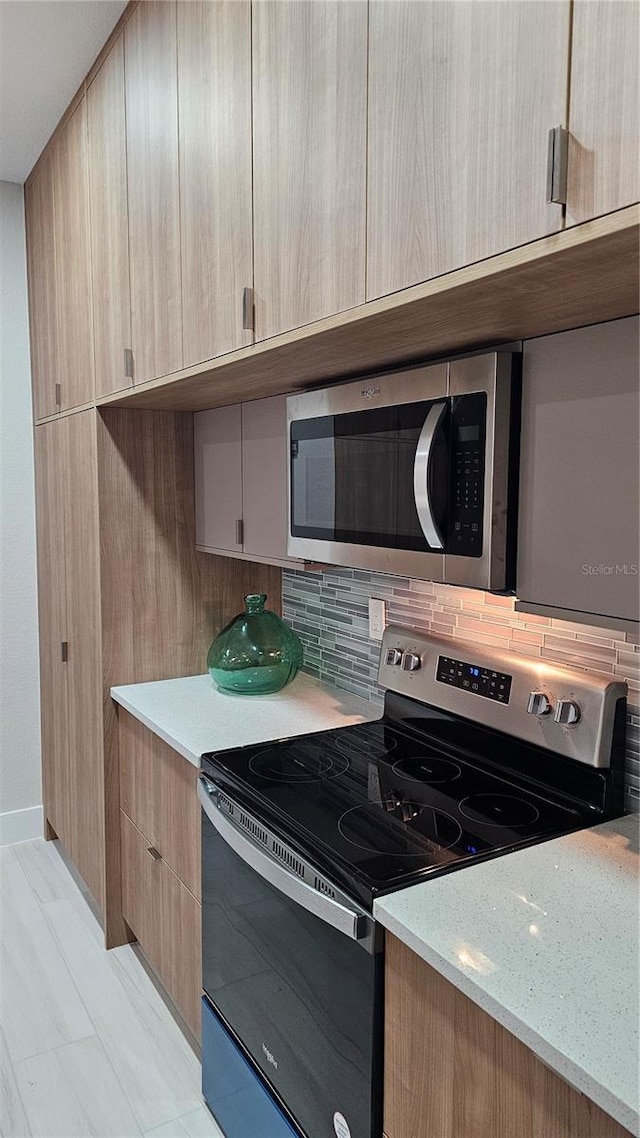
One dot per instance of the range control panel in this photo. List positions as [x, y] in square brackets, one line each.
[569, 712]
[474, 678]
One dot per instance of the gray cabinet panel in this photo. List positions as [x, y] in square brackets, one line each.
[264, 477]
[218, 477]
[578, 529]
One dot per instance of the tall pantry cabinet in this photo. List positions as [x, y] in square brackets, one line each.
[70, 651]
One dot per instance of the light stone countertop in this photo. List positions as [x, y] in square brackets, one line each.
[546, 941]
[193, 716]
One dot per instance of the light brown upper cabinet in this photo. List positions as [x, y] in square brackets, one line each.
[214, 100]
[73, 262]
[151, 100]
[461, 99]
[109, 224]
[604, 113]
[309, 136]
[41, 268]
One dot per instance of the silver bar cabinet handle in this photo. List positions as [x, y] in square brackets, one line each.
[248, 309]
[557, 150]
[240, 531]
[345, 920]
[128, 363]
[421, 470]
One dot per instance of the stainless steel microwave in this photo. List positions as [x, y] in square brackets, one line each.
[412, 472]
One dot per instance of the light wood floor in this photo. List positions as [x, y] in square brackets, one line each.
[87, 1046]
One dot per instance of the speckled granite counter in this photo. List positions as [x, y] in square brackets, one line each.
[546, 941]
[192, 716]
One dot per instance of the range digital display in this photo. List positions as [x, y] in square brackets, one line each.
[474, 678]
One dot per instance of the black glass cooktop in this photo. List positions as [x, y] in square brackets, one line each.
[377, 805]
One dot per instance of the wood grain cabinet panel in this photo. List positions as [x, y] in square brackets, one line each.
[461, 99]
[69, 608]
[84, 667]
[73, 266]
[151, 100]
[214, 99]
[158, 792]
[451, 1071]
[109, 223]
[604, 112]
[309, 135]
[166, 919]
[41, 270]
[52, 620]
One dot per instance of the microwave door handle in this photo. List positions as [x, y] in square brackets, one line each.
[421, 474]
[353, 924]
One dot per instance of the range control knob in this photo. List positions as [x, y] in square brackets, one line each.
[410, 662]
[394, 656]
[539, 703]
[567, 712]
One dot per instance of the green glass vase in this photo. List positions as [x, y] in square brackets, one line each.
[256, 653]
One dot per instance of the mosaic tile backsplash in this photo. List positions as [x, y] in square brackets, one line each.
[330, 612]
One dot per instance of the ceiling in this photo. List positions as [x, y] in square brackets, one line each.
[46, 49]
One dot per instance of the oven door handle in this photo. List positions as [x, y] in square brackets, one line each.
[357, 926]
[422, 474]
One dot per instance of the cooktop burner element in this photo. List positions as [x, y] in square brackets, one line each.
[428, 769]
[499, 810]
[286, 765]
[423, 828]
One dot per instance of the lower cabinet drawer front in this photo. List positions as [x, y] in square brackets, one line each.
[166, 919]
[158, 792]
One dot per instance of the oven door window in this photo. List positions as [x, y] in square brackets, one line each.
[352, 476]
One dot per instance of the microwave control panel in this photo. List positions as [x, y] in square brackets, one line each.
[468, 419]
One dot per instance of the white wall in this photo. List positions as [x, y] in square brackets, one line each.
[20, 789]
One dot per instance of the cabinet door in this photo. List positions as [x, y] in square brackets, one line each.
[218, 478]
[166, 919]
[451, 1071]
[264, 476]
[41, 269]
[49, 450]
[151, 98]
[84, 669]
[158, 792]
[309, 132]
[73, 269]
[604, 113]
[214, 97]
[461, 99]
[578, 530]
[109, 223]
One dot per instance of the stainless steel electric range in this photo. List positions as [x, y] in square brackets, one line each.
[477, 753]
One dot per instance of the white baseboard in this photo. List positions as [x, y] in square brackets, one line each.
[21, 825]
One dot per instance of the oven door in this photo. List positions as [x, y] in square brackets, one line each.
[294, 977]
